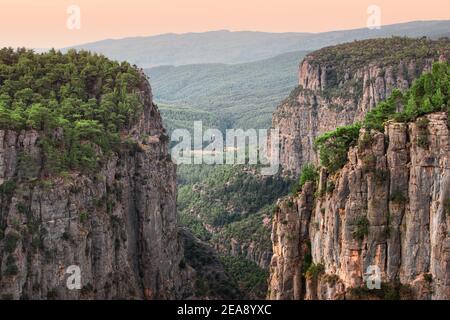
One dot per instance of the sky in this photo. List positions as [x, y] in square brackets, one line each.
[44, 23]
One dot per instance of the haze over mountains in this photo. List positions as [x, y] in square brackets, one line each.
[234, 79]
[245, 46]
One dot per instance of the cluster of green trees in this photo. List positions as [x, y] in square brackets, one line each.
[88, 96]
[309, 173]
[362, 228]
[334, 145]
[429, 93]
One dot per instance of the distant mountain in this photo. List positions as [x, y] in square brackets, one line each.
[245, 46]
[241, 95]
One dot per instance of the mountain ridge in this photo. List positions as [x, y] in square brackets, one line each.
[243, 46]
[242, 95]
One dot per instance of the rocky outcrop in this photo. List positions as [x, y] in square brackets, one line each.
[387, 209]
[290, 238]
[338, 85]
[246, 250]
[119, 225]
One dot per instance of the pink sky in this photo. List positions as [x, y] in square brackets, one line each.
[42, 23]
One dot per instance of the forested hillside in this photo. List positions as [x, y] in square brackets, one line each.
[176, 117]
[240, 96]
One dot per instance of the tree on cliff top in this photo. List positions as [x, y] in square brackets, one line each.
[87, 95]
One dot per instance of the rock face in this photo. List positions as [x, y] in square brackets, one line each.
[118, 226]
[246, 250]
[387, 208]
[290, 237]
[338, 85]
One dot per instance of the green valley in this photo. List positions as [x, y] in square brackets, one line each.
[239, 96]
[231, 208]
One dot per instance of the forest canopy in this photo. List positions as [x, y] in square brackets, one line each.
[88, 96]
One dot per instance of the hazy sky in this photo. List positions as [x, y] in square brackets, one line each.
[42, 23]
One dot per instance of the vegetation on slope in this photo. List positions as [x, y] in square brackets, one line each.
[334, 145]
[255, 227]
[348, 57]
[88, 96]
[429, 93]
[309, 173]
[240, 96]
[183, 118]
[221, 204]
[249, 277]
[222, 277]
[226, 193]
[212, 280]
[389, 291]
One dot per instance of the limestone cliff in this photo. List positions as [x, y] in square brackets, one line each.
[338, 85]
[388, 207]
[118, 225]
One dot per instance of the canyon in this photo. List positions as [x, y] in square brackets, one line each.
[386, 207]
